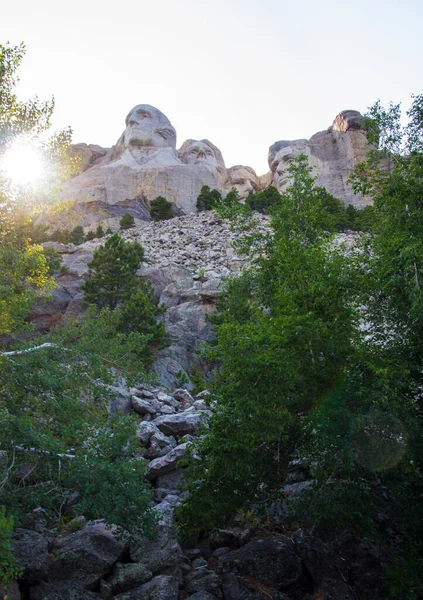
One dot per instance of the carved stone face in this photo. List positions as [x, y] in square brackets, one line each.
[281, 160]
[198, 153]
[147, 126]
[244, 180]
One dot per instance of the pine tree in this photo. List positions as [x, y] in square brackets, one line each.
[207, 198]
[113, 272]
[127, 221]
[161, 209]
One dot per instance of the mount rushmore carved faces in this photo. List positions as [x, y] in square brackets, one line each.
[148, 127]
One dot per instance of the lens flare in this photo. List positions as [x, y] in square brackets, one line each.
[22, 164]
[379, 440]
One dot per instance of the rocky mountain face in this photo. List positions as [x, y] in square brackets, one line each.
[144, 163]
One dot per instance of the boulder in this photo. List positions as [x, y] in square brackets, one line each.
[125, 577]
[144, 407]
[183, 396]
[234, 588]
[85, 556]
[203, 580]
[168, 462]
[159, 554]
[172, 481]
[230, 538]
[62, 590]
[180, 424]
[160, 445]
[145, 430]
[269, 560]
[163, 587]
[31, 551]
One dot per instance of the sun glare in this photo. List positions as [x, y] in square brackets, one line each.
[22, 164]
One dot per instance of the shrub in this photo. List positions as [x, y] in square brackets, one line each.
[264, 201]
[9, 569]
[113, 272]
[127, 221]
[77, 235]
[207, 198]
[161, 209]
[99, 232]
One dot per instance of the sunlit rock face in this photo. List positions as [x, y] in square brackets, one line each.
[201, 153]
[333, 154]
[243, 179]
[142, 165]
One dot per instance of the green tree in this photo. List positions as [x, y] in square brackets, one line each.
[112, 272]
[77, 235]
[140, 314]
[265, 200]
[24, 272]
[9, 567]
[284, 335]
[161, 209]
[57, 444]
[208, 198]
[99, 232]
[127, 221]
[56, 436]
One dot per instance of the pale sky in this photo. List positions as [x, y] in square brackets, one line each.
[242, 74]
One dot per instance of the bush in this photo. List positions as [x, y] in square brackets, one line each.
[9, 569]
[99, 232]
[264, 201]
[208, 198]
[161, 209]
[77, 235]
[127, 221]
[113, 272]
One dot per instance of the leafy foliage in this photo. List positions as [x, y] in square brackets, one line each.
[58, 435]
[9, 568]
[113, 283]
[208, 198]
[264, 201]
[284, 335]
[320, 354]
[161, 209]
[113, 272]
[127, 221]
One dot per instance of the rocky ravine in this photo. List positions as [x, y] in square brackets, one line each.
[238, 563]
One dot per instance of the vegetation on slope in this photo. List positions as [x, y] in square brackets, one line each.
[320, 354]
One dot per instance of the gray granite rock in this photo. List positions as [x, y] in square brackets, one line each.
[31, 551]
[163, 587]
[167, 463]
[180, 424]
[86, 555]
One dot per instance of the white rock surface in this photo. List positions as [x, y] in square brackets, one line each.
[333, 154]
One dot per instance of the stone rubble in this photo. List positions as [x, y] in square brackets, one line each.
[91, 564]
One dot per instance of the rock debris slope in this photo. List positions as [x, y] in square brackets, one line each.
[186, 259]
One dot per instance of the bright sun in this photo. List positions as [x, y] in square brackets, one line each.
[22, 164]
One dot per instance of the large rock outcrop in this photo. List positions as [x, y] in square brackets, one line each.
[333, 154]
[144, 163]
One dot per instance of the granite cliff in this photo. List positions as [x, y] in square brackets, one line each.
[145, 163]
